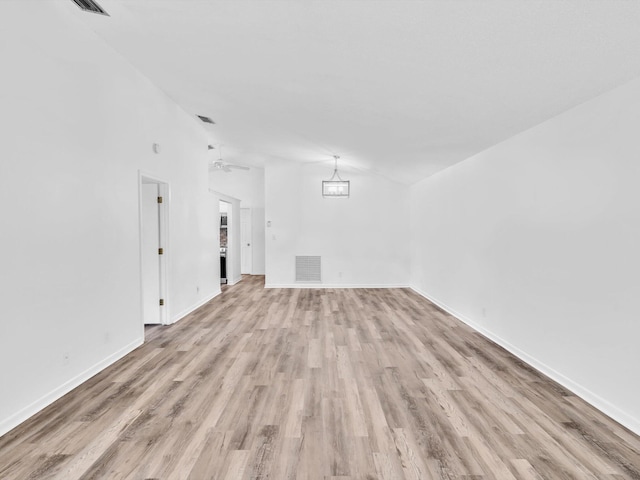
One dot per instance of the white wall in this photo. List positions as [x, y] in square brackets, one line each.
[77, 125]
[536, 243]
[248, 187]
[362, 240]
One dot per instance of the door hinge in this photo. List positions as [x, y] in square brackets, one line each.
[159, 199]
[161, 251]
[162, 302]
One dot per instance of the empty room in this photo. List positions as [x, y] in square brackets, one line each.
[320, 239]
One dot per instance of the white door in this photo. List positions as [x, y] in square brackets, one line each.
[246, 254]
[150, 223]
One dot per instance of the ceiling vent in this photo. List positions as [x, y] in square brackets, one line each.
[90, 6]
[206, 119]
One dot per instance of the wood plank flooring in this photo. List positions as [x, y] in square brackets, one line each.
[319, 384]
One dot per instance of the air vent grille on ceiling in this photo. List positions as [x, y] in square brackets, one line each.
[206, 119]
[308, 269]
[90, 6]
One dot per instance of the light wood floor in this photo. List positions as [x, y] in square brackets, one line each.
[319, 384]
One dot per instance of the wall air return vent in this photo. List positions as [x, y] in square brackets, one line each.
[308, 269]
[206, 119]
[90, 6]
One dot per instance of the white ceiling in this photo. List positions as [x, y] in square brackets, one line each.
[402, 88]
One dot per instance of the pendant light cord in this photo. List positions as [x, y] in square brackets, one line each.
[335, 169]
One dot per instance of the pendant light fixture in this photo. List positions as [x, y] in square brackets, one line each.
[335, 187]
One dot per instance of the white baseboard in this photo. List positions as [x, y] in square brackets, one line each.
[234, 281]
[17, 418]
[587, 395]
[187, 311]
[332, 285]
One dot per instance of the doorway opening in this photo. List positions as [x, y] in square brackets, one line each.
[226, 218]
[153, 209]
[228, 223]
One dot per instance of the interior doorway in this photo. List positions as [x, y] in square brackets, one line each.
[229, 236]
[226, 216]
[153, 200]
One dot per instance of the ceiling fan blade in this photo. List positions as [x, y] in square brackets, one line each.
[226, 167]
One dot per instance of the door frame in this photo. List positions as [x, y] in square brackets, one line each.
[163, 229]
[229, 252]
[233, 253]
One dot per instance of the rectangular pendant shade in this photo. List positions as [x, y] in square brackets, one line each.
[335, 188]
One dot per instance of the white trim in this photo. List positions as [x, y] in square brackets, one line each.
[333, 285]
[234, 281]
[587, 395]
[27, 412]
[195, 306]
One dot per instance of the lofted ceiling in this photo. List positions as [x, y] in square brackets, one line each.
[401, 88]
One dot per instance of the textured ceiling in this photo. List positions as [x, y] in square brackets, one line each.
[402, 88]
